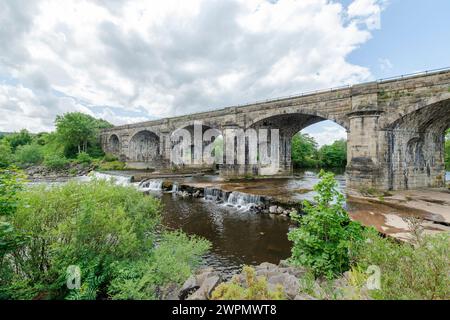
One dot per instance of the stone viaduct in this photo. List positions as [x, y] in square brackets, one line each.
[395, 131]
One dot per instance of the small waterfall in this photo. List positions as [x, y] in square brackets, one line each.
[243, 201]
[116, 179]
[238, 200]
[174, 187]
[151, 185]
[214, 194]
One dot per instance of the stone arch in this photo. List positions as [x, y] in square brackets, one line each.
[114, 144]
[144, 147]
[415, 150]
[289, 124]
[303, 119]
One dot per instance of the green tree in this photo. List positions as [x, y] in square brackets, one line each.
[304, 151]
[325, 235]
[334, 155]
[78, 130]
[18, 139]
[30, 154]
[6, 156]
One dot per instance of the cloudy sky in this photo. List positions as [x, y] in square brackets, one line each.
[129, 61]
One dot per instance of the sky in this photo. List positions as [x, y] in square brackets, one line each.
[128, 61]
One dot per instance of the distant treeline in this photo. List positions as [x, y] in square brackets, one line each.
[307, 154]
[76, 138]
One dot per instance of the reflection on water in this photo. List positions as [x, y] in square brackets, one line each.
[237, 237]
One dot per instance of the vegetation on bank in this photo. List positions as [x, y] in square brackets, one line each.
[307, 154]
[113, 234]
[74, 142]
[328, 243]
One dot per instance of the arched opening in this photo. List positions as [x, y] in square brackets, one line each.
[114, 144]
[307, 141]
[416, 148]
[144, 147]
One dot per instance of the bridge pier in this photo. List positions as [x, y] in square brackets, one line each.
[364, 168]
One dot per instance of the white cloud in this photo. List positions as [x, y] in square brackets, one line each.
[326, 132]
[163, 58]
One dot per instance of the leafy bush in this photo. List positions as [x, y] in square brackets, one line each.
[84, 158]
[173, 261]
[11, 182]
[110, 158]
[419, 271]
[255, 288]
[90, 225]
[6, 156]
[114, 165]
[325, 236]
[30, 154]
[18, 139]
[56, 162]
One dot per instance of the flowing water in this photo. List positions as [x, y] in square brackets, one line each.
[223, 216]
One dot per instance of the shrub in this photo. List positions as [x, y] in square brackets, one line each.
[114, 165]
[420, 271]
[254, 288]
[90, 225]
[84, 158]
[173, 261]
[325, 236]
[56, 162]
[30, 154]
[110, 158]
[6, 156]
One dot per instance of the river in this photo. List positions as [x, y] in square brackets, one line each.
[239, 236]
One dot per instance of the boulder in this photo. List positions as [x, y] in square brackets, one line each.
[188, 287]
[273, 209]
[205, 291]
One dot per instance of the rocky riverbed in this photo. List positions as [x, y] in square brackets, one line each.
[294, 282]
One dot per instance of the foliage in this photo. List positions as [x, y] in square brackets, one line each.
[419, 271]
[6, 156]
[113, 165]
[109, 157]
[255, 288]
[11, 182]
[18, 139]
[304, 151]
[325, 236]
[30, 154]
[84, 158]
[79, 131]
[90, 225]
[173, 261]
[56, 162]
[334, 155]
